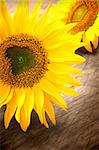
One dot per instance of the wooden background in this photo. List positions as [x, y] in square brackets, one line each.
[78, 129]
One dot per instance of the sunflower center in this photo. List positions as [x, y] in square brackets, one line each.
[79, 13]
[22, 59]
[84, 12]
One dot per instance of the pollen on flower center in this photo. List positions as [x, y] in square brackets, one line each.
[23, 61]
[84, 12]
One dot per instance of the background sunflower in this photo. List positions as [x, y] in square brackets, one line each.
[85, 14]
[35, 65]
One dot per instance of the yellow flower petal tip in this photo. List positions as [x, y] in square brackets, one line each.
[6, 126]
[36, 58]
[81, 12]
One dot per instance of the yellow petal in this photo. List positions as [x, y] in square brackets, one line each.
[52, 31]
[56, 36]
[36, 10]
[88, 37]
[39, 101]
[25, 112]
[41, 24]
[10, 110]
[3, 32]
[44, 120]
[20, 96]
[62, 79]
[4, 94]
[89, 47]
[50, 110]
[63, 56]
[20, 18]
[23, 119]
[49, 88]
[5, 18]
[8, 98]
[95, 42]
[55, 101]
[29, 103]
[34, 18]
[66, 90]
[61, 68]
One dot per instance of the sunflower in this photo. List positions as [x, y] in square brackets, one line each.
[35, 67]
[85, 13]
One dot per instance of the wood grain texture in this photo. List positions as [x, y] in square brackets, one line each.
[78, 129]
